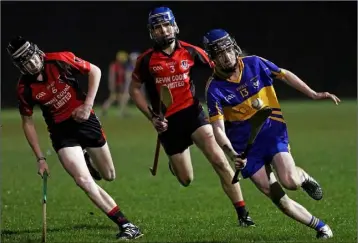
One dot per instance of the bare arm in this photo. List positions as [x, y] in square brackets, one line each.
[295, 82]
[138, 98]
[222, 139]
[31, 135]
[94, 78]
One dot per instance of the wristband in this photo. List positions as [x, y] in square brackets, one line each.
[41, 158]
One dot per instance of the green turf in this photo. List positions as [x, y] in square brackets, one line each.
[323, 140]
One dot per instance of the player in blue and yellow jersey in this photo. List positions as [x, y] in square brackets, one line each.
[238, 83]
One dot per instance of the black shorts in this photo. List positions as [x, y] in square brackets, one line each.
[70, 133]
[181, 125]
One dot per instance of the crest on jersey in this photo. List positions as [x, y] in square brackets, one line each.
[255, 82]
[184, 64]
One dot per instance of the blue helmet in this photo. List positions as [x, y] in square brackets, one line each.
[222, 49]
[218, 40]
[161, 16]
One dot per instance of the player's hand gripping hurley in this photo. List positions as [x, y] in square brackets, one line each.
[44, 200]
[256, 122]
[166, 98]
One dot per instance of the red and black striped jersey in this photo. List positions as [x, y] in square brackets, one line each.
[155, 68]
[59, 92]
[118, 71]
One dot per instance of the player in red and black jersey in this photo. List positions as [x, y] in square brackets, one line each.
[169, 63]
[49, 81]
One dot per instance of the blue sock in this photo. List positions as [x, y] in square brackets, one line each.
[316, 223]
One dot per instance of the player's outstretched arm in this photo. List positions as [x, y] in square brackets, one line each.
[138, 98]
[294, 81]
[31, 135]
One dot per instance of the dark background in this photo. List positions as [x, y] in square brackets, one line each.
[315, 40]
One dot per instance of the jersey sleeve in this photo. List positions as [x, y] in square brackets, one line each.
[213, 102]
[202, 58]
[25, 101]
[274, 70]
[74, 62]
[141, 70]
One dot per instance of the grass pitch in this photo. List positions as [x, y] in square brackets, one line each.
[323, 141]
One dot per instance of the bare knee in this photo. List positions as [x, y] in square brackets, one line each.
[266, 191]
[286, 170]
[181, 167]
[291, 181]
[109, 175]
[185, 180]
[217, 157]
[86, 183]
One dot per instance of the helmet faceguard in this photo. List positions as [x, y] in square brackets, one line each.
[222, 49]
[162, 26]
[26, 56]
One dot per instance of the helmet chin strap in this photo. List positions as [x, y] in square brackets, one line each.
[166, 43]
[229, 70]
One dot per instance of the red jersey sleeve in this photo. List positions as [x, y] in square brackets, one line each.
[24, 96]
[69, 58]
[141, 69]
[136, 72]
[200, 57]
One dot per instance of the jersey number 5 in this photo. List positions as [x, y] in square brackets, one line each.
[244, 92]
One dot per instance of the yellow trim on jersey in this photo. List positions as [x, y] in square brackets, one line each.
[241, 69]
[244, 111]
[279, 75]
[215, 118]
[277, 112]
[219, 116]
[277, 119]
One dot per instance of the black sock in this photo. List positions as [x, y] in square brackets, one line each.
[240, 209]
[117, 217]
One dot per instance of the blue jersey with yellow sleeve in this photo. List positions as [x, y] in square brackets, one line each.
[230, 100]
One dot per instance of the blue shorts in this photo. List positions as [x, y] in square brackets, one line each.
[272, 139]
